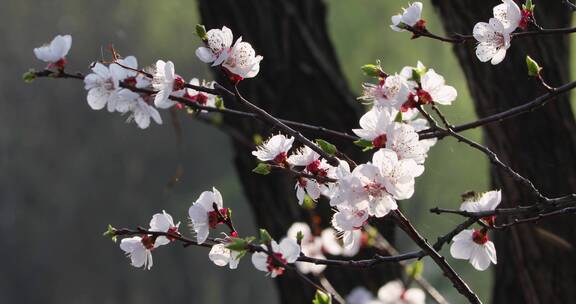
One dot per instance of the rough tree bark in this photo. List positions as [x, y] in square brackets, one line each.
[300, 79]
[535, 262]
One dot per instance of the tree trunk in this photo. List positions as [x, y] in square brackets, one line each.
[536, 261]
[300, 79]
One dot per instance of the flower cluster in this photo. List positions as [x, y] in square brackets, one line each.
[494, 37]
[238, 61]
[139, 248]
[393, 292]
[474, 245]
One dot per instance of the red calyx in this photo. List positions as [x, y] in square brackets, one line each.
[148, 242]
[58, 64]
[411, 103]
[423, 97]
[526, 19]
[235, 79]
[419, 27]
[480, 236]
[379, 141]
[214, 218]
[178, 83]
[489, 220]
[131, 81]
[172, 230]
[280, 158]
[273, 261]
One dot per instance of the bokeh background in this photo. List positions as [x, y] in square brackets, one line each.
[67, 171]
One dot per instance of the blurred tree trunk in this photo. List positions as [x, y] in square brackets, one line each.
[300, 79]
[533, 267]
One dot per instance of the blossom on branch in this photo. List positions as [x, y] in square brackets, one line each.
[203, 215]
[275, 149]
[275, 259]
[434, 89]
[55, 52]
[493, 41]
[222, 256]
[487, 201]
[391, 92]
[474, 245]
[218, 46]
[201, 98]
[139, 250]
[333, 245]
[242, 61]
[311, 247]
[346, 221]
[163, 222]
[509, 14]
[166, 82]
[393, 292]
[410, 16]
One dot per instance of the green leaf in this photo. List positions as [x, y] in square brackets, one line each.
[201, 32]
[111, 233]
[219, 103]
[326, 147]
[371, 70]
[398, 117]
[29, 76]
[265, 236]
[308, 202]
[533, 67]
[528, 6]
[262, 169]
[321, 298]
[237, 244]
[362, 143]
[415, 269]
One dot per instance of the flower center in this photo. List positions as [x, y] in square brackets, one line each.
[178, 83]
[131, 81]
[172, 230]
[424, 97]
[379, 141]
[375, 189]
[273, 261]
[148, 242]
[214, 218]
[280, 158]
[480, 236]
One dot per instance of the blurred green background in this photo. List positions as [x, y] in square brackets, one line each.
[67, 171]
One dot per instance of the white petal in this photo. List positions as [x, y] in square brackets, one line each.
[485, 51]
[259, 260]
[219, 255]
[97, 98]
[444, 95]
[290, 249]
[479, 259]
[499, 56]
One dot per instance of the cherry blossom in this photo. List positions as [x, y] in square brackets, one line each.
[332, 245]
[163, 222]
[509, 14]
[493, 40]
[202, 98]
[103, 88]
[55, 52]
[242, 61]
[347, 220]
[311, 246]
[409, 16]
[361, 295]
[403, 139]
[218, 46]
[139, 250]
[203, 215]
[434, 89]
[274, 149]
[394, 292]
[474, 246]
[374, 125]
[398, 174]
[141, 111]
[372, 193]
[286, 252]
[303, 157]
[222, 256]
[166, 81]
[487, 201]
[307, 186]
[390, 93]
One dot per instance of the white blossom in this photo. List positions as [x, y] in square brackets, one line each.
[374, 125]
[435, 86]
[222, 256]
[303, 157]
[394, 292]
[334, 246]
[347, 220]
[391, 93]
[286, 252]
[361, 295]
[55, 52]
[165, 81]
[243, 61]
[139, 250]
[509, 14]
[202, 98]
[142, 112]
[103, 88]
[493, 41]
[311, 246]
[274, 149]
[307, 186]
[488, 201]
[163, 222]
[474, 246]
[409, 16]
[203, 215]
[403, 139]
[218, 46]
